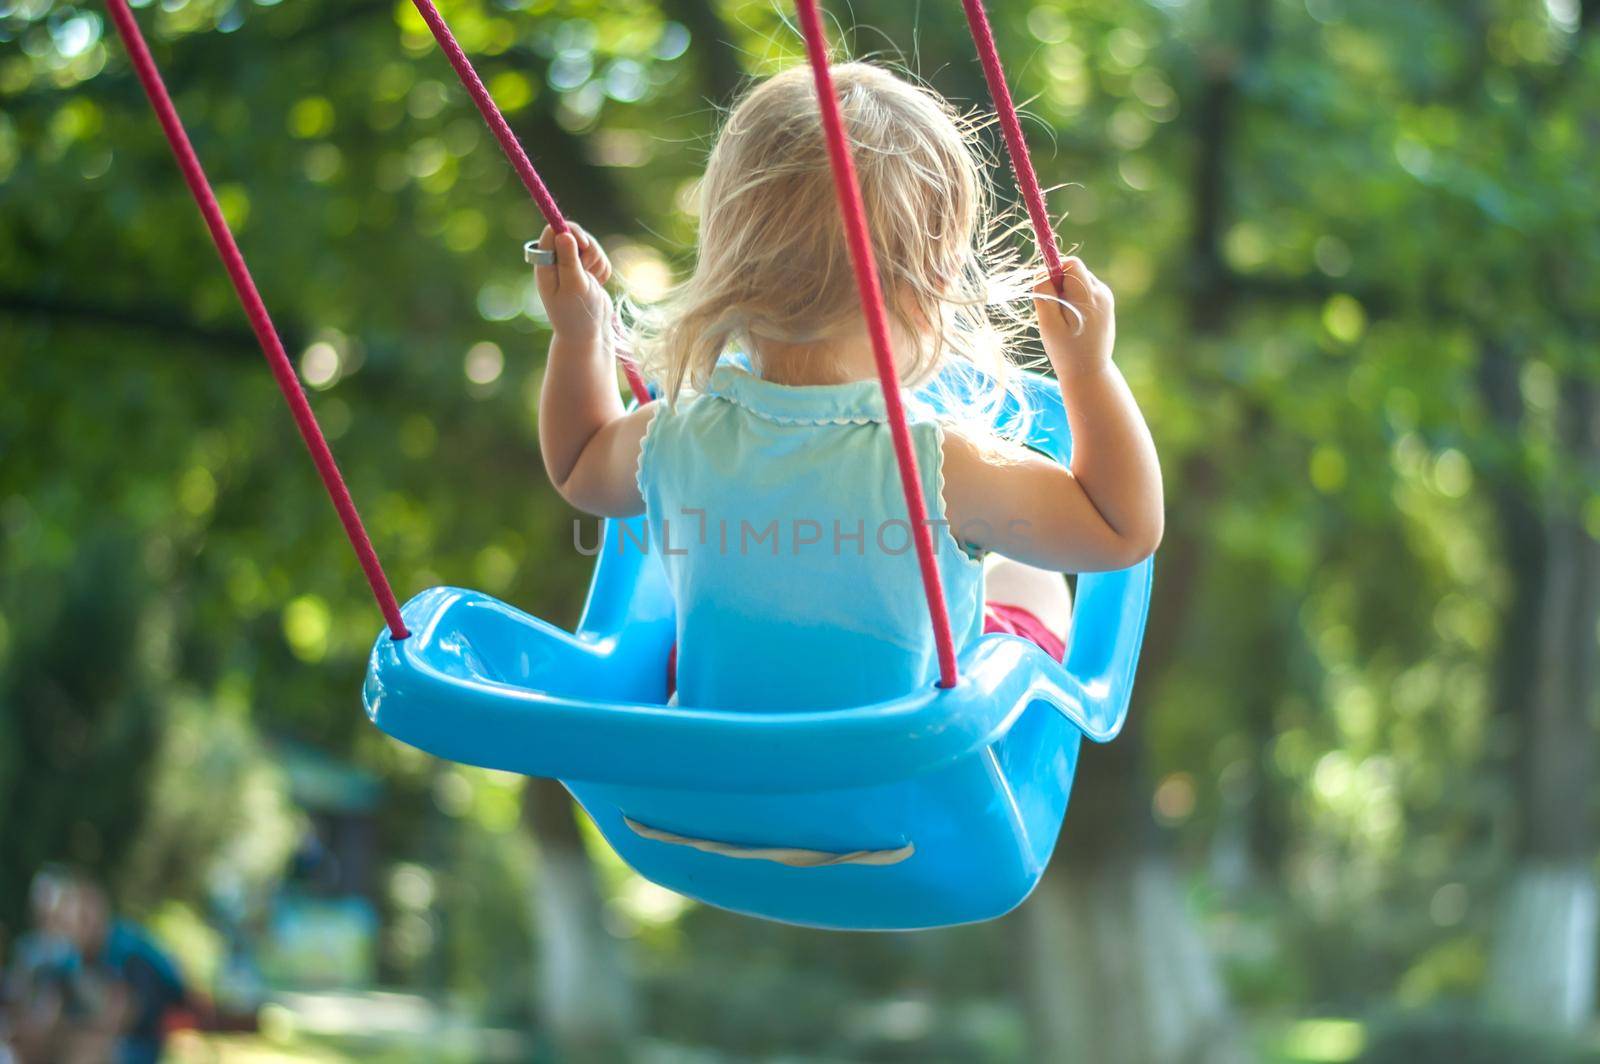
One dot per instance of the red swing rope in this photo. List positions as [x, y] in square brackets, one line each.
[513, 149]
[861, 257]
[256, 310]
[866, 270]
[1016, 146]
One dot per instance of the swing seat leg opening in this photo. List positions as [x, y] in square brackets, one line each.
[966, 844]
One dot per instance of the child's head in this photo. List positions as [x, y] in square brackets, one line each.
[773, 262]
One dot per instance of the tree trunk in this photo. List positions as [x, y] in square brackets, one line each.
[1115, 969]
[1117, 972]
[1541, 970]
[1542, 964]
[1131, 978]
[585, 991]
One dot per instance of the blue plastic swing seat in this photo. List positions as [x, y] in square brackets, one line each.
[940, 807]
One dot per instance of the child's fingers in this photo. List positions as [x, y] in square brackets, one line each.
[546, 275]
[547, 242]
[569, 262]
[1065, 305]
[1096, 289]
[586, 243]
[1051, 308]
[1077, 281]
[1046, 300]
[594, 256]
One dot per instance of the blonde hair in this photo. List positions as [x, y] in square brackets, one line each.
[772, 257]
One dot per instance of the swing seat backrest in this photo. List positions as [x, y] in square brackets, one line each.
[935, 808]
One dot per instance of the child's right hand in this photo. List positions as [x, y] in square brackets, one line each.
[1075, 346]
[573, 290]
[1107, 510]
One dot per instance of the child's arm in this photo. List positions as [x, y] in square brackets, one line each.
[1103, 513]
[590, 441]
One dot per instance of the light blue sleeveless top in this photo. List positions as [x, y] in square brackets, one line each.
[779, 518]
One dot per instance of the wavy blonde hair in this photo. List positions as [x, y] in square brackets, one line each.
[772, 256]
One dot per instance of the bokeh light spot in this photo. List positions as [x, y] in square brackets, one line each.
[484, 362]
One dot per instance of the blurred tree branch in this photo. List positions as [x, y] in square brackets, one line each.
[173, 324]
[148, 318]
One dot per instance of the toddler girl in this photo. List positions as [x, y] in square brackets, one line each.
[766, 471]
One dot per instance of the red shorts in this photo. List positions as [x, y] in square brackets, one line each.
[997, 617]
[1014, 620]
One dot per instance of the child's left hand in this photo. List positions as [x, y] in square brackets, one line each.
[573, 290]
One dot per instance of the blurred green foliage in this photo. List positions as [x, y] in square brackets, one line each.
[1463, 1039]
[1328, 223]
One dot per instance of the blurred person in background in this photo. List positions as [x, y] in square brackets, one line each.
[56, 1009]
[147, 984]
[85, 986]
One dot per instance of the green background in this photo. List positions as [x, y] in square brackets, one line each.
[1356, 250]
